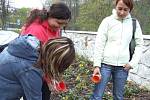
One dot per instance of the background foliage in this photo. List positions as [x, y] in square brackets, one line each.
[92, 12]
[88, 14]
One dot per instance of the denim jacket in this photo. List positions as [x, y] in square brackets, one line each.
[18, 76]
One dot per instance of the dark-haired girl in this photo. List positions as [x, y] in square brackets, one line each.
[45, 25]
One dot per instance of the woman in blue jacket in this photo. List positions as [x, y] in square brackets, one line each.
[24, 64]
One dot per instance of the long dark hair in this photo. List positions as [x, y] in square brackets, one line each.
[58, 10]
[56, 56]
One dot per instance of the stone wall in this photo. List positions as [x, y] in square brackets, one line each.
[141, 73]
[84, 44]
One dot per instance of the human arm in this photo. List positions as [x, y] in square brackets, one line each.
[100, 43]
[31, 82]
[138, 48]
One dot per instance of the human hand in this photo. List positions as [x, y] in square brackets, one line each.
[96, 71]
[57, 87]
[127, 67]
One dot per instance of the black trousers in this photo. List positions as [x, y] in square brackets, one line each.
[45, 92]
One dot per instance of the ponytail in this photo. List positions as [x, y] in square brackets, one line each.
[35, 14]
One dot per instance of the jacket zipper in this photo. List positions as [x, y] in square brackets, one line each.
[120, 41]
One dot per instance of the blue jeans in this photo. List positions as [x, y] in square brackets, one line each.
[119, 77]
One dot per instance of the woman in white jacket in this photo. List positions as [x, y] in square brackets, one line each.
[111, 54]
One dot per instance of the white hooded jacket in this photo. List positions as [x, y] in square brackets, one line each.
[113, 39]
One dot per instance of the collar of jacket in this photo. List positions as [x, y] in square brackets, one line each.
[114, 15]
[45, 24]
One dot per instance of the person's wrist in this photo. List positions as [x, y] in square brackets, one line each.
[97, 70]
[96, 66]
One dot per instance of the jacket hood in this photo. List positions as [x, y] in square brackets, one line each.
[20, 47]
[114, 15]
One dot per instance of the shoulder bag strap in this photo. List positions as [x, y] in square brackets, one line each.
[134, 26]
